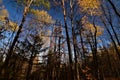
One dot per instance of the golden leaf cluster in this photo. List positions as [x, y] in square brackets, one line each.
[12, 26]
[42, 16]
[3, 14]
[9, 25]
[90, 27]
[91, 7]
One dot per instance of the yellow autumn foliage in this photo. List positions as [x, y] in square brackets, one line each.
[12, 26]
[9, 25]
[3, 14]
[42, 16]
[90, 27]
[90, 7]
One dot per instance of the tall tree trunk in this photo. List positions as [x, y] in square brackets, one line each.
[95, 57]
[111, 24]
[105, 24]
[73, 38]
[68, 39]
[30, 64]
[82, 45]
[26, 9]
[10, 52]
[108, 57]
[114, 8]
[115, 34]
[116, 49]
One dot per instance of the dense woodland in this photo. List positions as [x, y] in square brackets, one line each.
[59, 39]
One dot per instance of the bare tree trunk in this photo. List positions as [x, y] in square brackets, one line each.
[73, 38]
[26, 9]
[95, 57]
[114, 8]
[68, 39]
[117, 51]
[82, 45]
[111, 24]
[114, 33]
[30, 64]
[10, 52]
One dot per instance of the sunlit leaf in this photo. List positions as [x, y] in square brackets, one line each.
[8, 25]
[42, 16]
[90, 7]
[3, 14]
[44, 3]
[90, 27]
[12, 26]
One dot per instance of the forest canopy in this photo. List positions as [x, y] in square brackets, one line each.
[59, 40]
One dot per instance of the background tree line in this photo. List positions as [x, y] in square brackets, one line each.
[60, 40]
